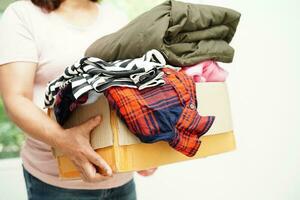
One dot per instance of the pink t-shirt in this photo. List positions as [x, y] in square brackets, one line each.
[28, 34]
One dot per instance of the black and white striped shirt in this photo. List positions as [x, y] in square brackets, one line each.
[94, 74]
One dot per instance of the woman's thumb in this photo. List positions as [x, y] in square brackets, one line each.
[91, 123]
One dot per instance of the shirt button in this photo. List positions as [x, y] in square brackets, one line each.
[192, 106]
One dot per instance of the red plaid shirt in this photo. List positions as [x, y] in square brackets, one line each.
[167, 112]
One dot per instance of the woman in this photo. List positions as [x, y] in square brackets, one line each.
[39, 38]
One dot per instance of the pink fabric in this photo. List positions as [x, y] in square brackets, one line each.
[206, 71]
[28, 34]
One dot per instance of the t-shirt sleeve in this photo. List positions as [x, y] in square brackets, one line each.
[16, 38]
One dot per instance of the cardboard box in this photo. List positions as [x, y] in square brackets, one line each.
[124, 152]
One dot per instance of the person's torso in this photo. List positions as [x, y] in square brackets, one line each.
[60, 44]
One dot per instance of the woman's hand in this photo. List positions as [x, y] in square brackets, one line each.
[147, 172]
[16, 91]
[75, 143]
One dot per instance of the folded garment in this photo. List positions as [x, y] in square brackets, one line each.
[185, 33]
[94, 74]
[164, 113]
[206, 71]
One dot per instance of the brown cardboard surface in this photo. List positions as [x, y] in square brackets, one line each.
[132, 157]
[124, 152]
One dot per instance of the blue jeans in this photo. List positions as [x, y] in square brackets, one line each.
[38, 190]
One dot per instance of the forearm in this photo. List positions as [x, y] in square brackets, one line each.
[32, 120]
[16, 90]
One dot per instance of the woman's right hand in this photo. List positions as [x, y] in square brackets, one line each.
[75, 143]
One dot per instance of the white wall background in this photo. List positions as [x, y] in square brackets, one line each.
[265, 96]
[264, 88]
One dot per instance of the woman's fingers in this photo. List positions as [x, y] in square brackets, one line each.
[90, 124]
[97, 160]
[79, 165]
[88, 171]
[81, 171]
[82, 154]
[147, 172]
[90, 154]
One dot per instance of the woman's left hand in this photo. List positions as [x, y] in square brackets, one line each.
[147, 172]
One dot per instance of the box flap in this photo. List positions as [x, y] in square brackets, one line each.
[213, 99]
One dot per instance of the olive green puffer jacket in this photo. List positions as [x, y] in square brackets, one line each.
[185, 33]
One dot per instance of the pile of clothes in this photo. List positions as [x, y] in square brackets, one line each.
[148, 69]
